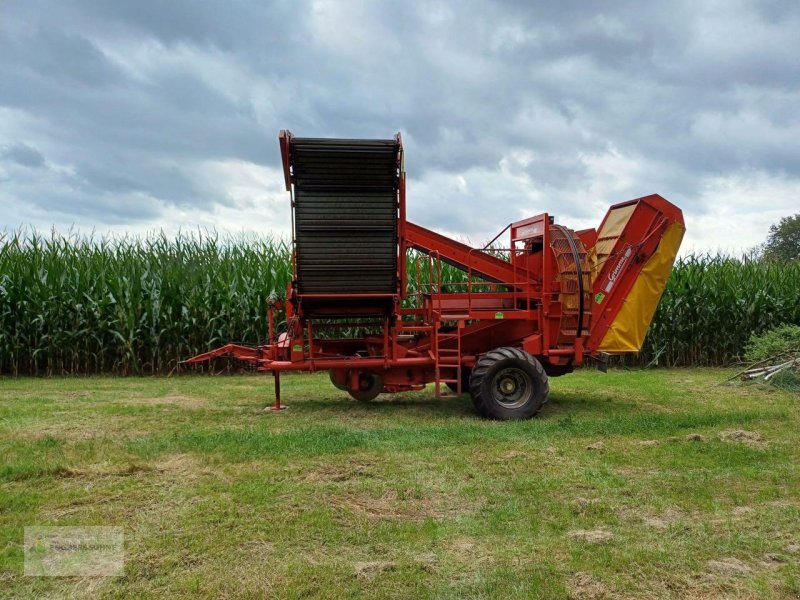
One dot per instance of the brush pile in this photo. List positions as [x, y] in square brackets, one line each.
[770, 371]
[777, 356]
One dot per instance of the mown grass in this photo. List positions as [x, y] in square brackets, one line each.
[409, 496]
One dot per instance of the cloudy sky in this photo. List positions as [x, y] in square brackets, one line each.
[136, 115]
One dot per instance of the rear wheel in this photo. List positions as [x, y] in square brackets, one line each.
[369, 386]
[508, 383]
[338, 379]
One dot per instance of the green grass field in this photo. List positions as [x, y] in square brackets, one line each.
[408, 496]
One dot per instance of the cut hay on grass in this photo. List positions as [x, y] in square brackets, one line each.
[695, 492]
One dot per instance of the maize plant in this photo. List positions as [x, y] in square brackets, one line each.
[71, 304]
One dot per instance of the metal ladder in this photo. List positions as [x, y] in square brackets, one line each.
[448, 358]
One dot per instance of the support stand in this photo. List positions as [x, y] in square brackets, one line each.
[277, 407]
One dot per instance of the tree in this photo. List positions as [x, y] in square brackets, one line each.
[783, 241]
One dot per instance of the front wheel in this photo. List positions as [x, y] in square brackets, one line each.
[507, 384]
[369, 386]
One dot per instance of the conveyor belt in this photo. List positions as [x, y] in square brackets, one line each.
[345, 215]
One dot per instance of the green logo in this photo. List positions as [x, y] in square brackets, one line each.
[498, 315]
[599, 297]
[297, 348]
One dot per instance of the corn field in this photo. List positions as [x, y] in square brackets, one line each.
[713, 304]
[131, 305]
[78, 305]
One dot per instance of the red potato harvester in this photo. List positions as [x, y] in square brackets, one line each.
[536, 309]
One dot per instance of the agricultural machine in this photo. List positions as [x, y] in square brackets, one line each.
[537, 308]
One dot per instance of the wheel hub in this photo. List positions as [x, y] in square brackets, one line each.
[512, 388]
[508, 385]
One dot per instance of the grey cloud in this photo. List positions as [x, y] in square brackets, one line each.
[24, 155]
[131, 98]
[66, 58]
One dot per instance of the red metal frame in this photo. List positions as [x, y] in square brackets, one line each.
[285, 141]
[514, 302]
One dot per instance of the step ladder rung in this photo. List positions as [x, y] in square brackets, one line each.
[447, 358]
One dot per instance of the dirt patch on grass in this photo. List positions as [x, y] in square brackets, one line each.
[162, 476]
[591, 536]
[729, 567]
[428, 561]
[741, 512]
[648, 443]
[596, 447]
[260, 547]
[583, 586]
[339, 473]
[67, 432]
[369, 570]
[657, 520]
[771, 561]
[512, 455]
[469, 552]
[407, 507]
[108, 470]
[185, 465]
[581, 505]
[740, 435]
[663, 520]
[462, 547]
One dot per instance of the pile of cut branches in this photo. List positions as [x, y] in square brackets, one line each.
[774, 358]
[775, 365]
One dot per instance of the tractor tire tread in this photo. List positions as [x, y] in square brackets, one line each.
[486, 407]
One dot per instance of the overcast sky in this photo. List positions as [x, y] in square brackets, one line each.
[135, 115]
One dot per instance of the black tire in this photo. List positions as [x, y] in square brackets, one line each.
[339, 385]
[370, 385]
[465, 375]
[507, 384]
